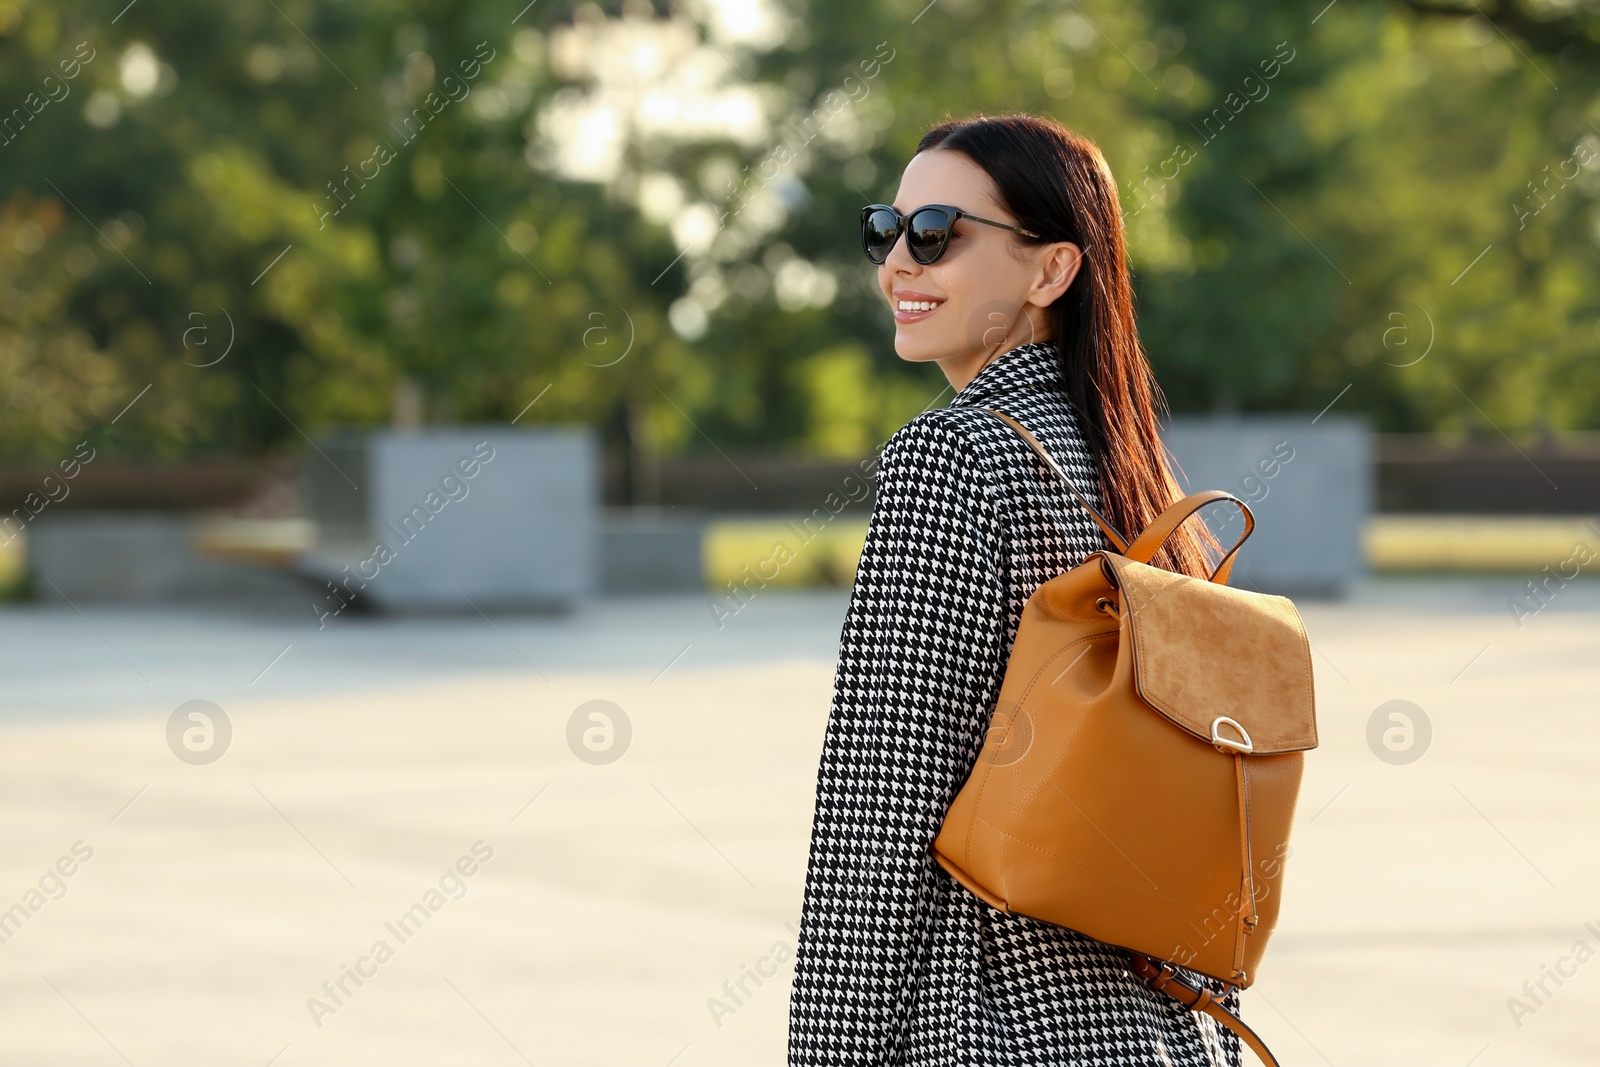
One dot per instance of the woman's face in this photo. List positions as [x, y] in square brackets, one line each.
[989, 296]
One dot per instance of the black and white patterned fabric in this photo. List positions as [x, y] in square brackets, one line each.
[897, 963]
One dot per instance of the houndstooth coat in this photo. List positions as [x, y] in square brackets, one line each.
[897, 963]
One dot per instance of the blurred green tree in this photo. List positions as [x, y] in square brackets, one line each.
[342, 201]
[618, 215]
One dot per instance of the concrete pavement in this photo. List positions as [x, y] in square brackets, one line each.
[305, 899]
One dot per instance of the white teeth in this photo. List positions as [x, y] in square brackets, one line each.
[919, 305]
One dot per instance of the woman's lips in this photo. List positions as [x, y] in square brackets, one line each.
[915, 316]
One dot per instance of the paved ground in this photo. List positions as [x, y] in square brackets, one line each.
[207, 905]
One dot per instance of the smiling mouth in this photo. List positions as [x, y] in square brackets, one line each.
[917, 305]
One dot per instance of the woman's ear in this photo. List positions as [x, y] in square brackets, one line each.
[1058, 268]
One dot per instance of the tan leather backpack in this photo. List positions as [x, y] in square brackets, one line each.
[1139, 777]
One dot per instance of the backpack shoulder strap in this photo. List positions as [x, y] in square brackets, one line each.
[1164, 979]
[1110, 531]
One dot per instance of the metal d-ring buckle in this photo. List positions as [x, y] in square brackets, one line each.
[1224, 743]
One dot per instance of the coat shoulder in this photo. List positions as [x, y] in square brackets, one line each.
[940, 454]
[937, 434]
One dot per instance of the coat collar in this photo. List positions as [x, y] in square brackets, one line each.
[1026, 367]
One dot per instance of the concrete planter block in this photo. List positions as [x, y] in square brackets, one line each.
[651, 550]
[457, 519]
[1309, 485]
[140, 557]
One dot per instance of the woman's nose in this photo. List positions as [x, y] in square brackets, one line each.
[899, 258]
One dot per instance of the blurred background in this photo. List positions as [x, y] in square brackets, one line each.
[439, 437]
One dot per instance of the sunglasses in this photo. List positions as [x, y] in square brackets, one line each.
[927, 230]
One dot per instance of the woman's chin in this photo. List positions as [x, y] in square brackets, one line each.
[911, 346]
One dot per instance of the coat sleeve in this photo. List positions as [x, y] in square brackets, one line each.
[920, 663]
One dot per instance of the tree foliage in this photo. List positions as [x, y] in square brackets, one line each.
[1374, 203]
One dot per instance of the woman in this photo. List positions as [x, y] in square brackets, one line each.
[1024, 302]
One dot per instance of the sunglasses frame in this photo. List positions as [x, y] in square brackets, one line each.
[904, 221]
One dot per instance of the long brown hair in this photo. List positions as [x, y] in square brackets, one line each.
[1058, 185]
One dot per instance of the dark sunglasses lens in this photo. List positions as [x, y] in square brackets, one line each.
[927, 233]
[878, 232]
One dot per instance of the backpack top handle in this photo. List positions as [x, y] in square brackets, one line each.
[1155, 535]
[1148, 543]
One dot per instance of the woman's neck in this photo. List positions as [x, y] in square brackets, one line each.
[960, 370]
